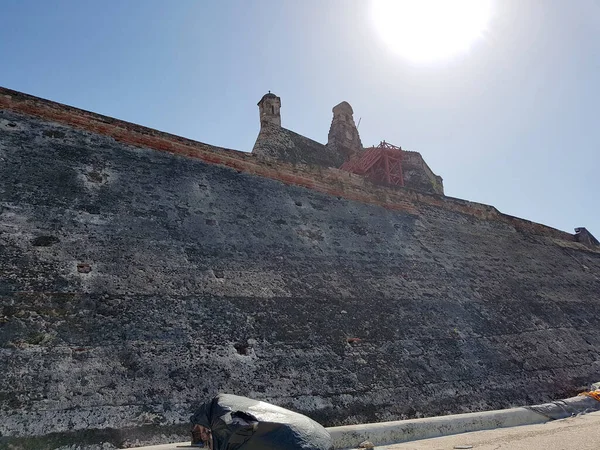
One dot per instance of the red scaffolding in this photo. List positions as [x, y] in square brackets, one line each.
[381, 164]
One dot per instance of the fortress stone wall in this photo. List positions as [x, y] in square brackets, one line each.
[141, 273]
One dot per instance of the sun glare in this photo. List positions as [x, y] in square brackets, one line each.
[431, 30]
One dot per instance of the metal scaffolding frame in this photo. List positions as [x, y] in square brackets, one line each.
[381, 164]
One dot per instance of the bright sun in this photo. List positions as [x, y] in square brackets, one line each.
[430, 30]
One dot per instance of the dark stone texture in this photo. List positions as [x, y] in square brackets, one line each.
[585, 237]
[418, 175]
[280, 144]
[204, 279]
[44, 241]
[343, 134]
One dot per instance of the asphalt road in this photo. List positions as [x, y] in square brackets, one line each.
[574, 433]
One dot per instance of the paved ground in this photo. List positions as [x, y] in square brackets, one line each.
[575, 433]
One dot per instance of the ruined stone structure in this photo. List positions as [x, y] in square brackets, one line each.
[343, 134]
[141, 273]
[276, 143]
[269, 107]
[419, 176]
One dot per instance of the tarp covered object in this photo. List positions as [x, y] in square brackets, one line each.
[561, 409]
[246, 424]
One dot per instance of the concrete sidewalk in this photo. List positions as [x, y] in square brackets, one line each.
[490, 427]
[349, 436]
[386, 433]
[580, 432]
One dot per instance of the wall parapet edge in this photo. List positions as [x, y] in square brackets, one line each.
[329, 181]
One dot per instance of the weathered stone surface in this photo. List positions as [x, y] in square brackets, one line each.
[280, 144]
[275, 143]
[343, 134]
[203, 279]
[405, 168]
[585, 237]
[269, 108]
[418, 175]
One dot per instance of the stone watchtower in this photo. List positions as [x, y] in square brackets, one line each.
[343, 135]
[269, 107]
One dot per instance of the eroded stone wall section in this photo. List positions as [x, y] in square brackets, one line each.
[136, 283]
[343, 134]
[269, 108]
[418, 175]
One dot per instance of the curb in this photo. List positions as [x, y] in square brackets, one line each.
[385, 433]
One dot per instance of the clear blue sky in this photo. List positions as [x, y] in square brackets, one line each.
[513, 123]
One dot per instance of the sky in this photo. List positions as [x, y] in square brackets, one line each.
[511, 123]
